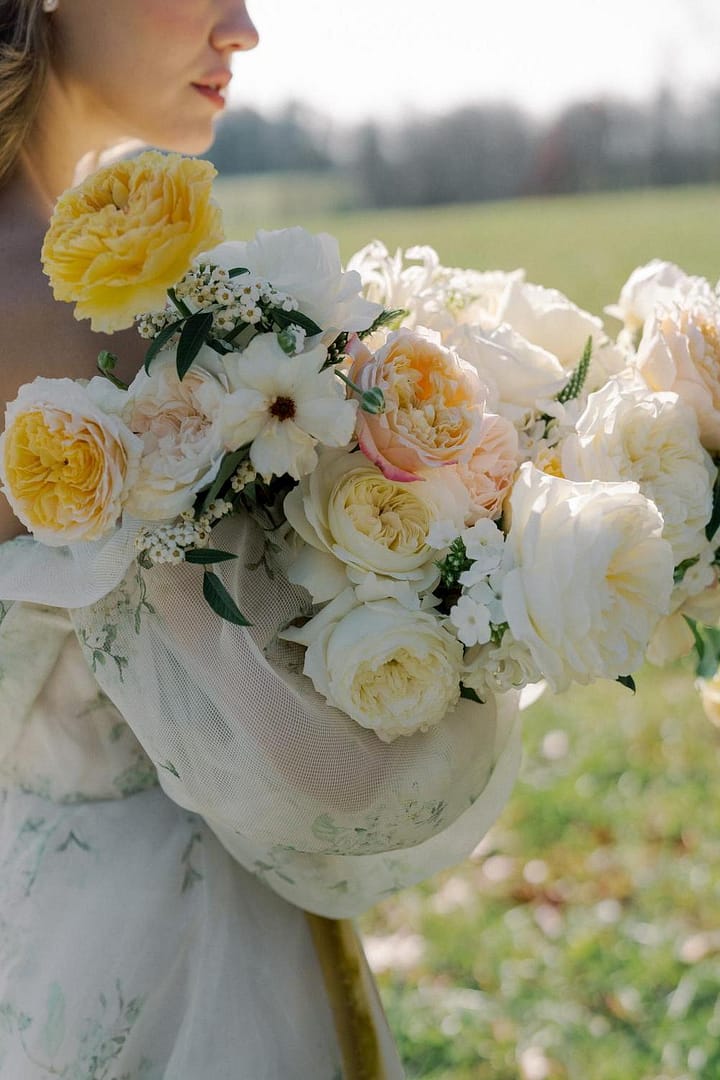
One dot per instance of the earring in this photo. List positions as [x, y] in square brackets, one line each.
[49, 6]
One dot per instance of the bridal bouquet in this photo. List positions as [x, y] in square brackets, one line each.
[476, 486]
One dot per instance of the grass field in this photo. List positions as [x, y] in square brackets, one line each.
[585, 245]
[582, 939]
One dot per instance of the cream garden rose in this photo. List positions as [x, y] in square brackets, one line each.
[66, 465]
[355, 521]
[121, 239]
[391, 670]
[588, 576]
[680, 351]
[656, 284]
[433, 405]
[179, 424]
[630, 433]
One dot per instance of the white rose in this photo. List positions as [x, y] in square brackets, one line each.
[697, 596]
[391, 670]
[517, 373]
[548, 319]
[630, 433]
[308, 268]
[433, 295]
[591, 576]
[498, 668]
[680, 351]
[658, 283]
[179, 423]
[355, 521]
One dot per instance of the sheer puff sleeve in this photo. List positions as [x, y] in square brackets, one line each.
[329, 816]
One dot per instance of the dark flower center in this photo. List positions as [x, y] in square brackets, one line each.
[283, 408]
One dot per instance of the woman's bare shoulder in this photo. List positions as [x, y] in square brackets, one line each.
[42, 337]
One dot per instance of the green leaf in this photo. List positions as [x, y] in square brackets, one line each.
[206, 556]
[193, 337]
[294, 318]
[228, 468]
[682, 568]
[714, 523]
[573, 388]
[470, 695]
[707, 646]
[628, 682]
[162, 339]
[221, 601]
[238, 271]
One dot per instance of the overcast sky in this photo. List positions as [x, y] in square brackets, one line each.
[380, 58]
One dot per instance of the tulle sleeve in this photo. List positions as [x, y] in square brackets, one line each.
[329, 816]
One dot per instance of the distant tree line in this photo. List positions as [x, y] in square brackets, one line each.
[481, 152]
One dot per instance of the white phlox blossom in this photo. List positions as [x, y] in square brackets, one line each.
[471, 621]
[485, 545]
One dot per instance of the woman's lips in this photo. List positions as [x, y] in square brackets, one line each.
[211, 93]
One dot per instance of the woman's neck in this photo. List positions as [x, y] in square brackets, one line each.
[64, 146]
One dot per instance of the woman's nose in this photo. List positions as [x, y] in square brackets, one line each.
[234, 29]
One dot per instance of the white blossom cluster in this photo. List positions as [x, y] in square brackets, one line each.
[169, 543]
[234, 301]
[244, 475]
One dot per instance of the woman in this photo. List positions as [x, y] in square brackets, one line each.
[135, 945]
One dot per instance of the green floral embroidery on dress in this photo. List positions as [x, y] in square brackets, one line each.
[99, 645]
[140, 776]
[379, 831]
[33, 844]
[5, 606]
[133, 600]
[279, 855]
[100, 1040]
[128, 599]
[191, 875]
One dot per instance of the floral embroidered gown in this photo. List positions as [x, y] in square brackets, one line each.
[170, 799]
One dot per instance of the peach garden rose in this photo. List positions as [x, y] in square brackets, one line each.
[433, 405]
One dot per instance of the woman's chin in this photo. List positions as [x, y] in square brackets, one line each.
[191, 139]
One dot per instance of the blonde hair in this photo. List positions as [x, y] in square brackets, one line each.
[25, 45]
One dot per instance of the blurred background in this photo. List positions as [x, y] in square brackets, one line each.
[582, 938]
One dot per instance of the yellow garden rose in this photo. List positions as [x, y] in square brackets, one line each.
[66, 465]
[118, 241]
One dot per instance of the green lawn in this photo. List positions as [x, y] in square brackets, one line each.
[582, 940]
[584, 245]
